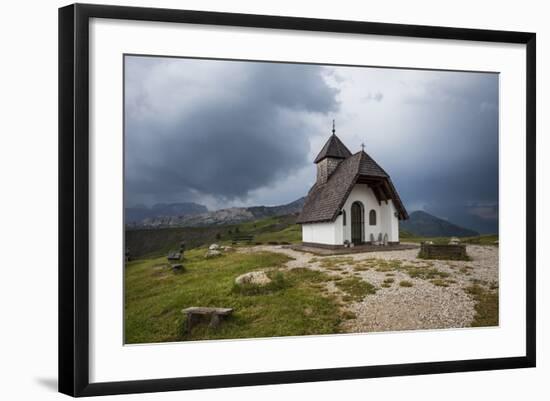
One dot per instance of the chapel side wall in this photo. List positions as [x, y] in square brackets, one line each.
[320, 233]
[390, 222]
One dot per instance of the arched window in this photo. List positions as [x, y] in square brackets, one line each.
[372, 217]
[344, 217]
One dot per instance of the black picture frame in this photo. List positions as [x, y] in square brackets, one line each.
[74, 198]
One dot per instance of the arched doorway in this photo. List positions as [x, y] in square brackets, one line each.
[357, 222]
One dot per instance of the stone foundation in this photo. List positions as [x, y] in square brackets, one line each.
[326, 250]
[329, 246]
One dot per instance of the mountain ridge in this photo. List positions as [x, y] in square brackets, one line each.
[136, 214]
[219, 217]
[424, 224]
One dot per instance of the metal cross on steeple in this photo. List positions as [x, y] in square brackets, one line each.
[363, 147]
[333, 127]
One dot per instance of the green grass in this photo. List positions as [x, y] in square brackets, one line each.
[481, 240]
[405, 283]
[290, 235]
[426, 273]
[355, 288]
[155, 296]
[382, 265]
[486, 306]
[278, 282]
[478, 240]
[349, 315]
[150, 243]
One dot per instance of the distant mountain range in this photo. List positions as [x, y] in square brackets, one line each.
[137, 214]
[194, 215]
[190, 214]
[423, 224]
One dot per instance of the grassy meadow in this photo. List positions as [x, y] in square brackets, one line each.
[155, 296]
[297, 302]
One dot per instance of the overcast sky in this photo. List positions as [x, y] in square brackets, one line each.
[228, 133]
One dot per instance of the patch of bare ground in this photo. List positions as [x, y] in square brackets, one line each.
[401, 292]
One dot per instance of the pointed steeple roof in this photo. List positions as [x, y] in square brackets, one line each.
[333, 148]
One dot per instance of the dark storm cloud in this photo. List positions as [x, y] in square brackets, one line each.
[214, 128]
[231, 133]
[452, 168]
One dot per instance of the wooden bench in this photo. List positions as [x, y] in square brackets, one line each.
[174, 255]
[242, 238]
[197, 313]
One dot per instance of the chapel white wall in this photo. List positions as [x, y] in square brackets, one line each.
[386, 221]
[335, 233]
[323, 233]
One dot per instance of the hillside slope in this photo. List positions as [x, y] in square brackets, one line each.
[423, 224]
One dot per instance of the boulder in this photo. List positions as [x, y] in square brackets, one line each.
[454, 241]
[214, 247]
[256, 278]
[212, 253]
[226, 248]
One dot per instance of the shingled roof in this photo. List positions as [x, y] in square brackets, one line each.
[333, 148]
[324, 201]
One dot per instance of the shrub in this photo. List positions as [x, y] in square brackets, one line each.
[355, 288]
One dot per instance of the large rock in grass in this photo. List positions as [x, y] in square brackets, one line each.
[214, 247]
[256, 278]
[212, 253]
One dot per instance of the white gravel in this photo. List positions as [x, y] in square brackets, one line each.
[422, 306]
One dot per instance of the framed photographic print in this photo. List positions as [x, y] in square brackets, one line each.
[251, 199]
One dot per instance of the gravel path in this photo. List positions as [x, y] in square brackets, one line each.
[424, 305]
